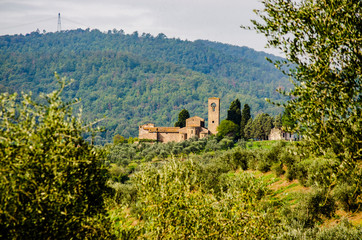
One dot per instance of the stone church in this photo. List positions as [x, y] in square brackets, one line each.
[195, 127]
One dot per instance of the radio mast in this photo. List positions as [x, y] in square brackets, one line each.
[59, 24]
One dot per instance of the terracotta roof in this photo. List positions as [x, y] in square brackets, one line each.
[164, 129]
[204, 130]
[196, 117]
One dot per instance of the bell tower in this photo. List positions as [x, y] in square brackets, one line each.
[214, 114]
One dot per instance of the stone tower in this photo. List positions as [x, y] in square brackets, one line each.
[214, 114]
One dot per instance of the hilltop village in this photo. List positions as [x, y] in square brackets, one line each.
[195, 127]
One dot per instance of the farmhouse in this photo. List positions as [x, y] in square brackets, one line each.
[279, 134]
[195, 127]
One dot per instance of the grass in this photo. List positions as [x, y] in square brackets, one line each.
[262, 144]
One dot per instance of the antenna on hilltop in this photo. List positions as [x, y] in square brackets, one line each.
[59, 24]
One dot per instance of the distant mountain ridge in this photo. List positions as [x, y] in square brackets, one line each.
[133, 79]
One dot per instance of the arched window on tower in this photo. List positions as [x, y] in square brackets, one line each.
[213, 105]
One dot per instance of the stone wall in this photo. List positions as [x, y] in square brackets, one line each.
[168, 137]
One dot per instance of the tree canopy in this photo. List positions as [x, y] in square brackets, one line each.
[227, 128]
[245, 116]
[322, 41]
[52, 182]
[182, 116]
[134, 79]
[234, 112]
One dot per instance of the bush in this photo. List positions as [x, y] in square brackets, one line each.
[264, 163]
[124, 193]
[310, 209]
[348, 195]
[240, 159]
[342, 231]
[226, 143]
[301, 170]
[322, 172]
[52, 182]
[278, 169]
[118, 173]
[175, 205]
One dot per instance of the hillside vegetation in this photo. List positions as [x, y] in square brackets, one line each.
[57, 185]
[132, 79]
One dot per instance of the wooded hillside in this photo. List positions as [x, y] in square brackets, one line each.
[132, 79]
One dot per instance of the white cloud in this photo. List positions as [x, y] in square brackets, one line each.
[214, 20]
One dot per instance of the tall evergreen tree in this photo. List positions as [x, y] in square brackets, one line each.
[234, 112]
[245, 116]
[278, 121]
[288, 121]
[261, 126]
[182, 116]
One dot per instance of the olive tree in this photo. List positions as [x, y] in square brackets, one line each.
[52, 183]
[322, 42]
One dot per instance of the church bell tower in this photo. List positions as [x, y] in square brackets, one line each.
[214, 114]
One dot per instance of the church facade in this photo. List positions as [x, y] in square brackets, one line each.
[195, 127]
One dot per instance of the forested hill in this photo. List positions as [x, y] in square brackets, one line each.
[133, 79]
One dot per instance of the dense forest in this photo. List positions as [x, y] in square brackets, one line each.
[131, 79]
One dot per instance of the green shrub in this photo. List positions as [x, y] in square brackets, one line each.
[240, 159]
[291, 173]
[118, 173]
[301, 170]
[322, 172]
[52, 182]
[348, 194]
[264, 163]
[125, 194]
[226, 143]
[310, 209]
[343, 230]
[278, 169]
[176, 207]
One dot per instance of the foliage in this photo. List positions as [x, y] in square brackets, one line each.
[278, 121]
[52, 182]
[137, 78]
[182, 116]
[310, 209]
[234, 112]
[118, 139]
[349, 194]
[227, 128]
[322, 41]
[288, 122]
[260, 127]
[343, 230]
[176, 207]
[245, 116]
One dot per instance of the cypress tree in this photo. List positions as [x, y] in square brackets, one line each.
[245, 116]
[234, 112]
[182, 116]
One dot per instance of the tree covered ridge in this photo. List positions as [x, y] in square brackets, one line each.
[133, 79]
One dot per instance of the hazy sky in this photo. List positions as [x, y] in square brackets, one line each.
[215, 20]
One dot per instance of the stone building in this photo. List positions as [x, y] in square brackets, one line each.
[195, 127]
[279, 134]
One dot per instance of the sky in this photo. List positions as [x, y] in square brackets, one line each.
[214, 20]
